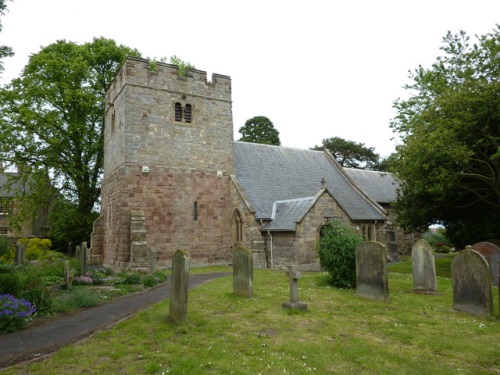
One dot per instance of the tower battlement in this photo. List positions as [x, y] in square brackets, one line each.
[163, 76]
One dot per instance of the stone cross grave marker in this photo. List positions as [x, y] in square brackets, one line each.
[471, 282]
[294, 303]
[179, 287]
[491, 253]
[424, 267]
[20, 249]
[242, 271]
[371, 271]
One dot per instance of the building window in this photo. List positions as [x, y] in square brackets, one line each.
[178, 112]
[187, 113]
[4, 206]
[195, 210]
[183, 114]
[237, 227]
[4, 231]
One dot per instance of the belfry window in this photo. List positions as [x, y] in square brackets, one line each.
[183, 114]
[178, 112]
[187, 113]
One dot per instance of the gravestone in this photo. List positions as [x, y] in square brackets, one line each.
[83, 257]
[179, 287]
[152, 261]
[20, 250]
[294, 303]
[424, 267]
[491, 253]
[69, 274]
[371, 271]
[78, 252]
[70, 249]
[242, 271]
[471, 281]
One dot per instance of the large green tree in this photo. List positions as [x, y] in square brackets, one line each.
[449, 157]
[351, 154]
[260, 129]
[53, 122]
[5, 51]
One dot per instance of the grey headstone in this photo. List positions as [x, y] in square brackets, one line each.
[83, 257]
[20, 250]
[424, 267]
[179, 287]
[152, 260]
[471, 280]
[242, 271]
[371, 271]
[294, 303]
[491, 253]
[78, 252]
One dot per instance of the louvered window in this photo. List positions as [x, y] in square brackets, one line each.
[178, 112]
[187, 113]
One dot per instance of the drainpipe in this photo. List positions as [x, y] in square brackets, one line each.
[271, 237]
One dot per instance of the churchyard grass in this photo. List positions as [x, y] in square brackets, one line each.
[340, 333]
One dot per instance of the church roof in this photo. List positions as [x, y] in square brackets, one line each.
[272, 174]
[286, 214]
[380, 186]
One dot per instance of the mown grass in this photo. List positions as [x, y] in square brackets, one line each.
[340, 333]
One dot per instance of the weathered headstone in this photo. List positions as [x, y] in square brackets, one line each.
[78, 252]
[83, 257]
[152, 260]
[471, 280]
[294, 303]
[424, 267]
[242, 271]
[179, 287]
[491, 253]
[70, 249]
[371, 271]
[20, 249]
[69, 274]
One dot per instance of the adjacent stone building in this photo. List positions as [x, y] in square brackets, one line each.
[175, 179]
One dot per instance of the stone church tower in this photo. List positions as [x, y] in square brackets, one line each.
[168, 156]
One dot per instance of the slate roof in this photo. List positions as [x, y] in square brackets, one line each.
[272, 174]
[380, 186]
[286, 214]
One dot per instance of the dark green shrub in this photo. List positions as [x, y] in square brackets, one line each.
[10, 283]
[150, 281]
[132, 278]
[160, 276]
[337, 253]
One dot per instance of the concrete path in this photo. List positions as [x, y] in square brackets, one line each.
[51, 335]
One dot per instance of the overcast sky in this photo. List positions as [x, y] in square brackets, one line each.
[316, 69]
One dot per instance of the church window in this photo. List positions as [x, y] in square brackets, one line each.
[113, 115]
[178, 112]
[236, 227]
[187, 113]
[195, 211]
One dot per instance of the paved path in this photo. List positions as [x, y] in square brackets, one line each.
[53, 334]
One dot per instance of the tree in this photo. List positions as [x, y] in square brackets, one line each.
[53, 121]
[337, 253]
[449, 158]
[4, 50]
[351, 154]
[260, 129]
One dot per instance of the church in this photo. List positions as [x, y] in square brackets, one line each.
[174, 178]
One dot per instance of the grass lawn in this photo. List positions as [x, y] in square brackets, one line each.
[340, 333]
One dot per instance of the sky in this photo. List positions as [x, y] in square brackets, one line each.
[317, 69]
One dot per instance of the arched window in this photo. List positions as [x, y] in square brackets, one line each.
[178, 112]
[236, 227]
[187, 113]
